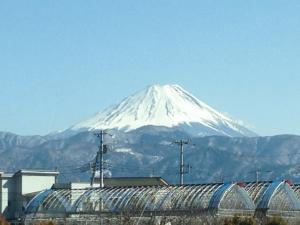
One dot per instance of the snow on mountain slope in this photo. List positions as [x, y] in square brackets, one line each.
[164, 105]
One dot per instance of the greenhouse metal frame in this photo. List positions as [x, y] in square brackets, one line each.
[214, 200]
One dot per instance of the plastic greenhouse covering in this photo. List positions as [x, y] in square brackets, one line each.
[238, 197]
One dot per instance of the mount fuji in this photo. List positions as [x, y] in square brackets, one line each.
[143, 127]
[167, 106]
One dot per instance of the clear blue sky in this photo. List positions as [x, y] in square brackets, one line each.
[62, 61]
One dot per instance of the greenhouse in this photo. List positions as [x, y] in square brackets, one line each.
[274, 198]
[136, 199]
[296, 189]
[115, 205]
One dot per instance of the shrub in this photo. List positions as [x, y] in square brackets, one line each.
[239, 221]
[3, 221]
[45, 222]
[276, 221]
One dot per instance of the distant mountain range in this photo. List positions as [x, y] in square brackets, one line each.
[149, 151]
[144, 127]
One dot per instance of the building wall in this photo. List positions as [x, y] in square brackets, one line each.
[6, 195]
[81, 185]
[16, 190]
[35, 183]
[26, 184]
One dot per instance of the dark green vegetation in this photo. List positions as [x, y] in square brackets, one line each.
[276, 221]
[251, 221]
[239, 221]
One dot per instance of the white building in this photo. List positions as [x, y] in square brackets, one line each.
[17, 189]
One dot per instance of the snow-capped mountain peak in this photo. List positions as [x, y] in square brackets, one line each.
[164, 105]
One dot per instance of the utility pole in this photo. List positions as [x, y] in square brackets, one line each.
[152, 172]
[99, 159]
[258, 172]
[181, 143]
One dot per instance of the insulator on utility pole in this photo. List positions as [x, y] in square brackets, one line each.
[189, 168]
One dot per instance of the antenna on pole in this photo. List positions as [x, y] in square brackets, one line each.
[181, 143]
[99, 159]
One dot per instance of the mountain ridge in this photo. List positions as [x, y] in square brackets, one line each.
[134, 154]
[167, 106]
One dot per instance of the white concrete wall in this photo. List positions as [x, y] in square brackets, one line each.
[13, 189]
[35, 183]
[26, 183]
[75, 194]
[4, 195]
[75, 185]
[7, 191]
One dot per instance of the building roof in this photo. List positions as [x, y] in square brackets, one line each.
[6, 175]
[116, 182]
[29, 172]
[37, 172]
[133, 181]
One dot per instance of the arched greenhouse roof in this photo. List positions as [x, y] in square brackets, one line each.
[277, 195]
[137, 199]
[296, 189]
